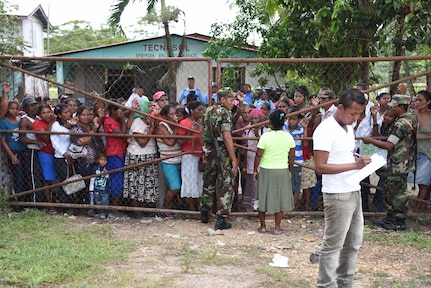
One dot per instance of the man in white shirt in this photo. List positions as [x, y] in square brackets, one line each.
[334, 142]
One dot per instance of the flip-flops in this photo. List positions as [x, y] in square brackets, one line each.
[278, 233]
[261, 231]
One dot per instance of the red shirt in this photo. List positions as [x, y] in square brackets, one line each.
[40, 125]
[115, 146]
[188, 145]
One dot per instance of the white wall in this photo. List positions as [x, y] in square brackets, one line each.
[32, 32]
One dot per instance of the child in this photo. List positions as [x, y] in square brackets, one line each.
[249, 193]
[297, 131]
[13, 147]
[99, 195]
[182, 113]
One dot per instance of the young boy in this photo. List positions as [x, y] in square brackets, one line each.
[99, 195]
[295, 129]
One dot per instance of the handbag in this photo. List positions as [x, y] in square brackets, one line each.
[76, 151]
[73, 187]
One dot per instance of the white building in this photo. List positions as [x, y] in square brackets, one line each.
[31, 22]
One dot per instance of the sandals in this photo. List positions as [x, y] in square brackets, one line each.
[261, 230]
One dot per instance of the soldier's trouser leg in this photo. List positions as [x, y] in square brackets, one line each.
[210, 180]
[225, 180]
[226, 192]
[396, 196]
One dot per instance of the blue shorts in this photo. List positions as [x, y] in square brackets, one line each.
[115, 180]
[47, 164]
[172, 174]
[423, 170]
[296, 179]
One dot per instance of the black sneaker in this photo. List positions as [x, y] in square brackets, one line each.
[204, 216]
[222, 224]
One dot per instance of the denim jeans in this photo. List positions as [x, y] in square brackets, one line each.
[101, 197]
[344, 224]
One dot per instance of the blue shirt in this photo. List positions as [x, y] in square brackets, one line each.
[205, 98]
[248, 98]
[11, 138]
[183, 97]
[258, 103]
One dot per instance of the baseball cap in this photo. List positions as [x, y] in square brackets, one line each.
[28, 101]
[214, 84]
[158, 95]
[328, 94]
[190, 78]
[399, 99]
[261, 92]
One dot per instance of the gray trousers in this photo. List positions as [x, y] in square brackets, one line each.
[344, 226]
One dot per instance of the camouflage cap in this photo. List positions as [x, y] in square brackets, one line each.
[225, 92]
[399, 99]
[328, 94]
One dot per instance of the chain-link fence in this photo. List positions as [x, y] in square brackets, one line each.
[36, 163]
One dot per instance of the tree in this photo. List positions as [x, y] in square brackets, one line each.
[167, 15]
[77, 34]
[316, 29]
[11, 42]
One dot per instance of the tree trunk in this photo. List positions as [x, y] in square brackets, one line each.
[398, 47]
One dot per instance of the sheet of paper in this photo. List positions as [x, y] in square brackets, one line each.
[377, 161]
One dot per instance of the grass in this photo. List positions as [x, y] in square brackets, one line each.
[38, 249]
[415, 239]
[283, 277]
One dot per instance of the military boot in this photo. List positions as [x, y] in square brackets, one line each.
[204, 216]
[221, 223]
[385, 221]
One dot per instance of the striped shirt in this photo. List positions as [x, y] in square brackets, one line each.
[297, 133]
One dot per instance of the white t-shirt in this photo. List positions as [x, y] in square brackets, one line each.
[330, 136]
[60, 142]
[139, 126]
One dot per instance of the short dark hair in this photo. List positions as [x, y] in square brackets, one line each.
[295, 108]
[165, 110]
[348, 97]
[277, 119]
[362, 85]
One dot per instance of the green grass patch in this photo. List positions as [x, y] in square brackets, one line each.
[415, 282]
[281, 275]
[37, 249]
[418, 240]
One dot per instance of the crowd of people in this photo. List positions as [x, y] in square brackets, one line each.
[155, 170]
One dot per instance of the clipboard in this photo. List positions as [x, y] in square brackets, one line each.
[377, 161]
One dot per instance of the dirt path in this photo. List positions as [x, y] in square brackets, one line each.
[182, 253]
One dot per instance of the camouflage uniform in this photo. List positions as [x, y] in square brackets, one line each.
[401, 161]
[217, 170]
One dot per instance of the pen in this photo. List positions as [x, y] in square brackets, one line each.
[356, 154]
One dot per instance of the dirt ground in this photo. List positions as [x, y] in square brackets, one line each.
[182, 252]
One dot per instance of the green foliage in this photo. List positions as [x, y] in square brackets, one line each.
[77, 34]
[320, 29]
[11, 42]
[54, 251]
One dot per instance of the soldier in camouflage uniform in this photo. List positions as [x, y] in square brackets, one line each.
[221, 165]
[401, 146]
